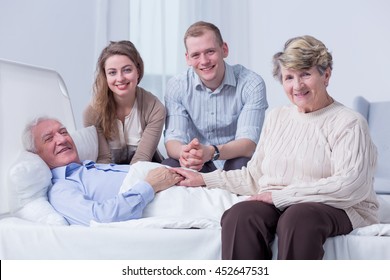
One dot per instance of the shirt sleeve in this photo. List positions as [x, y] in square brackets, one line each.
[69, 201]
[176, 125]
[251, 118]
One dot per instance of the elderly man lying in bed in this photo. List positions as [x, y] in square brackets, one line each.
[85, 191]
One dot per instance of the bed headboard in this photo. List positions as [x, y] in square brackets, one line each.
[377, 115]
[26, 92]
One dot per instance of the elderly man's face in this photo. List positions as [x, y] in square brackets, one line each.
[54, 144]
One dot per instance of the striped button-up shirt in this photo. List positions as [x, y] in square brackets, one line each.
[235, 110]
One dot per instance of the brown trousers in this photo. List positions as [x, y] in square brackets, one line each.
[249, 228]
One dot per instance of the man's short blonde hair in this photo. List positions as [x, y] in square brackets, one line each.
[198, 29]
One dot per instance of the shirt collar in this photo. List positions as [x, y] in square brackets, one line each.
[229, 79]
[64, 171]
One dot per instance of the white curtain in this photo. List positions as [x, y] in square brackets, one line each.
[157, 29]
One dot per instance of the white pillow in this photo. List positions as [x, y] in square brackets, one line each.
[179, 201]
[29, 178]
[86, 141]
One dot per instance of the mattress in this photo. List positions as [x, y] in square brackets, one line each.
[23, 240]
[20, 239]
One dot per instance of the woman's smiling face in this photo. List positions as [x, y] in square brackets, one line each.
[306, 88]
[122, 75]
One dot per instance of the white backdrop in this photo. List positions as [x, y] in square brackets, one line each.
[67, 35]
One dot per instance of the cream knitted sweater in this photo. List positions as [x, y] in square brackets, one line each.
[325, 156]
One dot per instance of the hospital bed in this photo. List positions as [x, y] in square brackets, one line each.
[181, 223]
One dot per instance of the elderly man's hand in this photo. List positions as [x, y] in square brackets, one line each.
[162, 178]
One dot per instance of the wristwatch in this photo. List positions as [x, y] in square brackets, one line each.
[216, 153]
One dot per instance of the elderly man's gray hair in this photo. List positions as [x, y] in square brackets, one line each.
[28, 137]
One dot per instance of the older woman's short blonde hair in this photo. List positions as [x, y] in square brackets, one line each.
[301, 53]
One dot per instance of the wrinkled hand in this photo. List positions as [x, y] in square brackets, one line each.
[264, 197]
[162, 178]
[190, 178]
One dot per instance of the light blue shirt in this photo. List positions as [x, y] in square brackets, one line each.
[235, 110]
[89, 191]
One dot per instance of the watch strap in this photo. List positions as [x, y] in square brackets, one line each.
[216, 152]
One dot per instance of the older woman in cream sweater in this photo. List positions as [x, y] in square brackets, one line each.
[311, 176]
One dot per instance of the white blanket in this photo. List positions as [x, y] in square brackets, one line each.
[373, 230]
[177, 207]
[183, 207]
[162, 222]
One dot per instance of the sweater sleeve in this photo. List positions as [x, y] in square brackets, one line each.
[353, 161]
[243, 181]
[90, 117]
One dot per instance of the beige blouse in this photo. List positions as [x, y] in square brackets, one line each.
[141, 132]
[125, 145]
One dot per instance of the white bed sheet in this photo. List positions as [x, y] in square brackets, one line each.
[20, 239]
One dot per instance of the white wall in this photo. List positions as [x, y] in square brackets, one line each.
[64, 35]
[67, 35]
[357, 32]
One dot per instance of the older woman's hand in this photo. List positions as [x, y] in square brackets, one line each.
[190, 178]
[264, 197]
